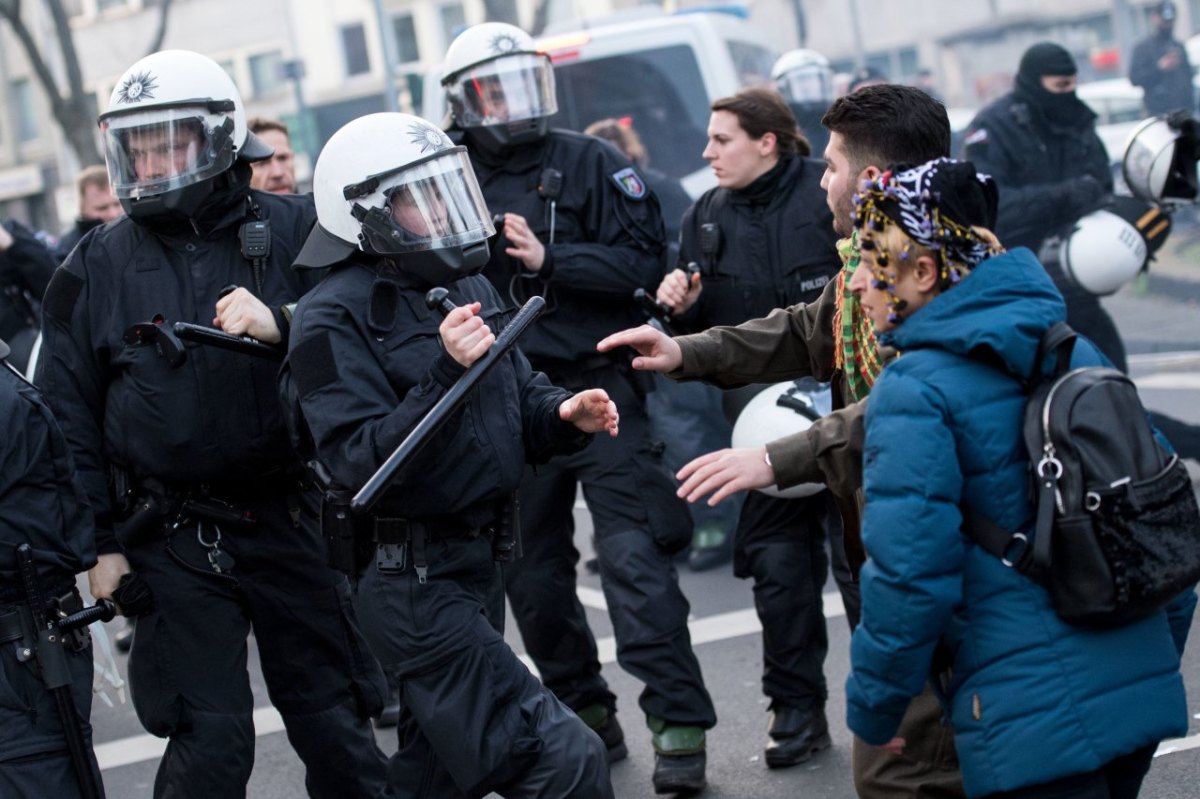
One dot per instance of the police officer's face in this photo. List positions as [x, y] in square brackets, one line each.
[735, 158]
[408, 215]
[840, 182]
[491, 99]
[161, 152]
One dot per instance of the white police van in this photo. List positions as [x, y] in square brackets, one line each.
[659, 71]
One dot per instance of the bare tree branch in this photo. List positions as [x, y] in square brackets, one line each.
[164, 8]
[71, 105]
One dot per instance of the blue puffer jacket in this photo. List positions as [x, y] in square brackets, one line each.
[1032, 698]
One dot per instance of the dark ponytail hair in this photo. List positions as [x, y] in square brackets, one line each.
[761, 110]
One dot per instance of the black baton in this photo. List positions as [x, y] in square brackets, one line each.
[450, 402]
[212, 337]
[56, 673]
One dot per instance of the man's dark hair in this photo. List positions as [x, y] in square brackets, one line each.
[889, 124]
[260, 124]
[761, 110]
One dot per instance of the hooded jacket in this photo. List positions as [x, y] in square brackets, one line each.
[1050, 174]
[944, 429]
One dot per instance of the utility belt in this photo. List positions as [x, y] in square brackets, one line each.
[16, 624]
[393, 542]
[144, 507]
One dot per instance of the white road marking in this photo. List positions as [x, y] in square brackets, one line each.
[1183, 381]
[137, 748]
[721, 627]
[1177, 745]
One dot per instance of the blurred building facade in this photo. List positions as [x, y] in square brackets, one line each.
[317, 64]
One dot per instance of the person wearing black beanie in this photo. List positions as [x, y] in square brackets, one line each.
[1046, 79]
[1039, 143]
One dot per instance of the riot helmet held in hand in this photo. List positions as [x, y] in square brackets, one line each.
[498, 85]
[395, 186]
[804, 77]
[1107, 248]
[174, 123]
[1160, 159]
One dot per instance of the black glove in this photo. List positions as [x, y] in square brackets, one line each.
[1081, 194]
[133, 595]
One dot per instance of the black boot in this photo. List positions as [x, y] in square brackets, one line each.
[711, 547]
[604, 723]
[795, 735]
[679, 759]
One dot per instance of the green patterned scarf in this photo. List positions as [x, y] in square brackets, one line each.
[855, 350]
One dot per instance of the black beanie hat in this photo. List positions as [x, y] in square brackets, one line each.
[1046, 58]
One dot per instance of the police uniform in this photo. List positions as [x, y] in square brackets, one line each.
[209, 430]
[775, 248]
[365, 366]
[1049, 174]
[42, 505]
[25, 271]
[603, 235]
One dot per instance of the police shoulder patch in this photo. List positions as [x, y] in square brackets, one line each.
[630, 183]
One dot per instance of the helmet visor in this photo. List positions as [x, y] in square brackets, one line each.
[153, 152]
[434, 205]
[806, 85]
[508, 89]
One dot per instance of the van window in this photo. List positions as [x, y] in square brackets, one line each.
[753, 63]
[660, 90]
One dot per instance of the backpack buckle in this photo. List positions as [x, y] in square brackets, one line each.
[1019, 540]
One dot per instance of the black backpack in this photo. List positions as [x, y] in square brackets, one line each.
[1117, 530]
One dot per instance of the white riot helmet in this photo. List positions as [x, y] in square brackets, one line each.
[781, 410]
[1107, 248]
[175, 121]
[804, 77]
[394, 185]
[497, 83]
[1160, 160]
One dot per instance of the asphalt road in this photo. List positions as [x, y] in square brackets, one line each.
[1160, 326]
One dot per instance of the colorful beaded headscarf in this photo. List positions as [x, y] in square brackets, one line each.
[936, 205]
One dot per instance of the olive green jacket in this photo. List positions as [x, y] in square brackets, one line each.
[793, 342]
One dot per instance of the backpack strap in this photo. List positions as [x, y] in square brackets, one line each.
[1059, 340]
[1012, 549]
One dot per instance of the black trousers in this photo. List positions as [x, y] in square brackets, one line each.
[1120, 778]
[639, 523]
[34, 760]
[472, 718]
[187, 669]
[780, 543]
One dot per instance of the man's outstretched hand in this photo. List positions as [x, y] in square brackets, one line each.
[723, 473]
[657, 352]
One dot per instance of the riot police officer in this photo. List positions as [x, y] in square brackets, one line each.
[764, 239]
[42, 506]
[193, 438]
[582, 229]
[399, 212]
[805, 80]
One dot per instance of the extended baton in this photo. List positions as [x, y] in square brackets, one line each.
[450, 402]
[213, 337]
[56, 673]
